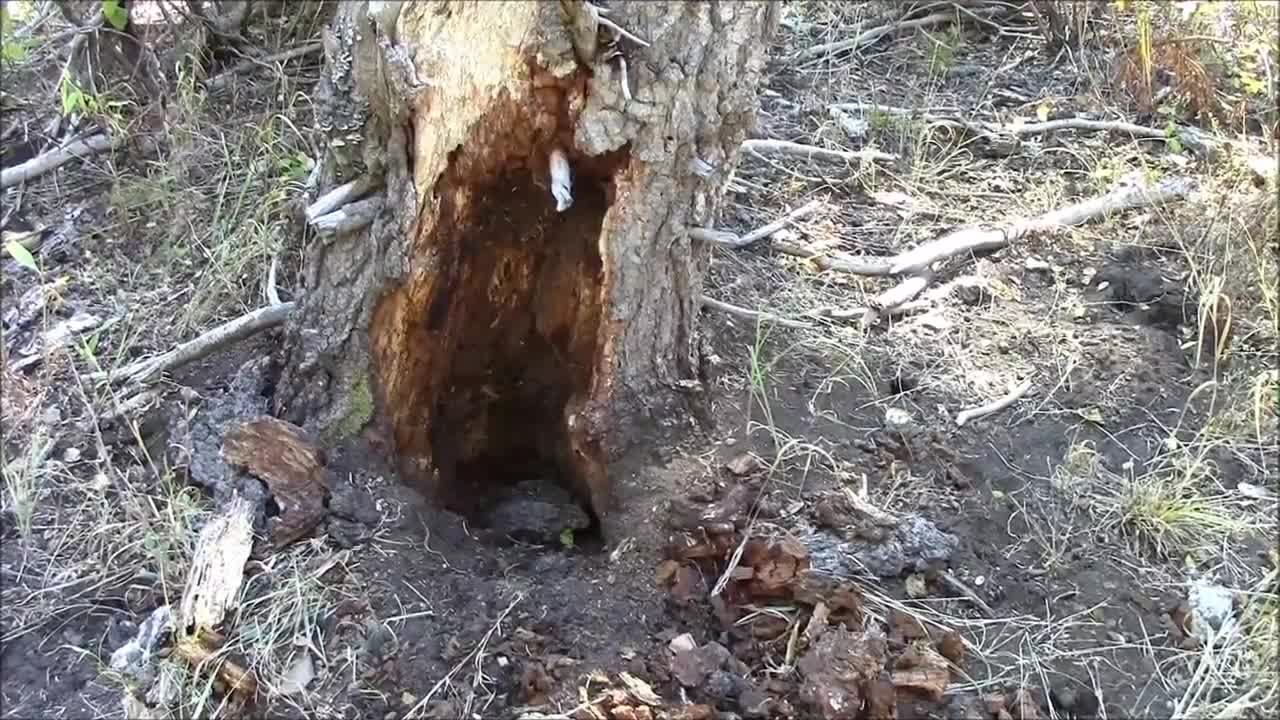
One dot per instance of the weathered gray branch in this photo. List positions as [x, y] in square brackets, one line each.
[269, 61]
[734, 242]
[756, 315]
[41, 164]
[225, 334]
[810, 152]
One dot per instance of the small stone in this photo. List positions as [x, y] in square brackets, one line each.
[71, 455]
[915, 586]
[897, 418]
[743, 464]
[1035, 264]
[682, 643]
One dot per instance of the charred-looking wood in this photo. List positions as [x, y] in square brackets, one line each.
[500, 329]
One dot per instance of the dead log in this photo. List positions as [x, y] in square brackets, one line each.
[500, 316]
[43, 163]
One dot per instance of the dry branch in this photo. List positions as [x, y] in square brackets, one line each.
[270, 61]
[870, 35]
[734, 242]
[43, 163]
[785, 147]
[752, 314]
[225, 334]
[993, 407]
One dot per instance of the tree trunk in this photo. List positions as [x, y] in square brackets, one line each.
[474, 323]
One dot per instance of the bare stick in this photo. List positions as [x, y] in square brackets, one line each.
[225, 334]
[222, 78]
[350, 218]
[752, 314]
[840, 261]
[967, 241]
[478, 649]
[993, 407]
[948, 117]
[786, 147]
[901, 293]
[43, 163]
[734, 242]
[869, 36]
[955, 584]
[849, 313]
[340, 196]
[970, 240]
[1040, 128]
[273, 294]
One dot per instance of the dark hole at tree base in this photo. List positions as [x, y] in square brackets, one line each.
[515, 316]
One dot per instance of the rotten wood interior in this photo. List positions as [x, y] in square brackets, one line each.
[485, 355]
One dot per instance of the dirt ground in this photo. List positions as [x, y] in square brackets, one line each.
[837, 538]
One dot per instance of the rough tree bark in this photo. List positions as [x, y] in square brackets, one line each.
[471, 322]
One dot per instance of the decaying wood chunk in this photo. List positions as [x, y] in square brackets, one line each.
[217, 570]
[282, 457]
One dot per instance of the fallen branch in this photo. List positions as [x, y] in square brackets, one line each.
[349, 218]
[752, 314]
[839, 261]
[339, 196]
[810, 152]
[43, 163]
[870, 35]
[270, 61]
[947, 117]
[729, 240]
[225, 334]
[993, 407]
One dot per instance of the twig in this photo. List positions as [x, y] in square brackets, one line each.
[955, 584]
[903, 292]
[43, 163]
[478, 649]
[734, 242]
[273, 293]
[971, 240]
[222, 78]
[752, 314]
[349, 218]
[869, 36]
[993, 407]
[225, 334]
[786, 147]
